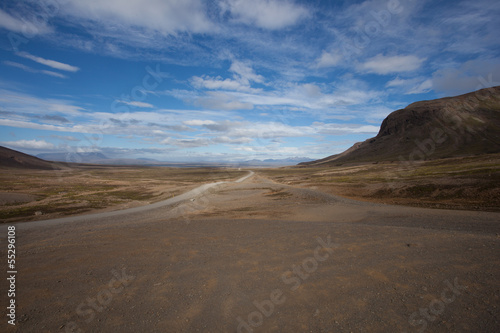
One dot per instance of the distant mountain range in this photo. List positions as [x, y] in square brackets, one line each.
[99, 158]
[15, 159]
[275, 162]
[464, 125]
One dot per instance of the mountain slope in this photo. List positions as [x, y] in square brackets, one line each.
[14, 159]
[448, 127]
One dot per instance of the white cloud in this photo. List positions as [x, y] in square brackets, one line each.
[203, 142]
[29, 144]
[412, 86]
[260, 151]
[310, 90]
[267, 14]
[421, 88]
[198, 122]
[467, 77]
[25, 103]
[328, 59]
[235, 132]
[10, 23]
[375, 114]
[65, 138]
[108, 126]
[138, 104]
[216, 83]
[55, 74]
[472, 27]
[168, 127]
[23, 26]
[397, 82]
[247, 149]
[245, 130]
[243, 76]
[269, 130]
[46, 127]
[50, 63]
[232, 141]
[307, 96]
[341, 129]
[186, 143]
[245, 72]
[162, 16]
[223, 126]
[381, 64]
[215, 100]
[32, 70]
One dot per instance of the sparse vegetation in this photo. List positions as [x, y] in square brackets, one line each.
[278, 194]
[457, 183]
[84, 188]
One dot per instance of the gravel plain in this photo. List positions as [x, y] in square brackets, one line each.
[258, 256]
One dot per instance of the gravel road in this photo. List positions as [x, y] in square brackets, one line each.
[257, 256]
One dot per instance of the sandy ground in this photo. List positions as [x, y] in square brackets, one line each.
[258, 256]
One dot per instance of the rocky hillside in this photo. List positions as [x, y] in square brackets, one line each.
[448, 127]
[14, 159]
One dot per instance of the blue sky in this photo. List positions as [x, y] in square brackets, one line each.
[230, 80]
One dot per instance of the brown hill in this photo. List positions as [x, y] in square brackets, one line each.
[448, 127]
[14, 159]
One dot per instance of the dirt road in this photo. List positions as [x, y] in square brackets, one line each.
[256, 256]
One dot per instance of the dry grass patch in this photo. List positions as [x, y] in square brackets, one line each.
[456, 183]
[86, 188]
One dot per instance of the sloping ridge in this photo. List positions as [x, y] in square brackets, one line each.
[448, 127]
[14, 159]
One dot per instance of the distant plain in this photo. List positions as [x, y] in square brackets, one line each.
[29, 194]
[470, 183]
